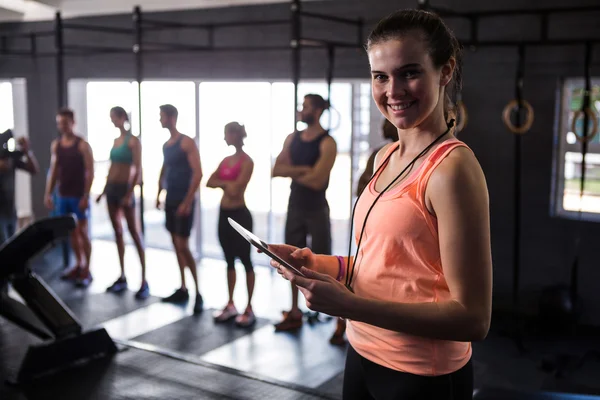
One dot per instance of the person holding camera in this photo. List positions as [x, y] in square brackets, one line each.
[22, 159]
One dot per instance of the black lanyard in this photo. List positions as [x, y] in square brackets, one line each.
[350, 270]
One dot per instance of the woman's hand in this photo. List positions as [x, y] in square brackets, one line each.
[293, 255]
[322, 292]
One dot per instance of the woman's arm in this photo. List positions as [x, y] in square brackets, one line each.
[330, 265]
[136, 150]
[214, 181]
[237, 187]
[457, 195]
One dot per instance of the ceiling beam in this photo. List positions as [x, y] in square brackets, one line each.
[7, 15]
[14, 6]
[25, 10]
[52, 3]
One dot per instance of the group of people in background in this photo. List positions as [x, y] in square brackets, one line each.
[417, 290]
[307, 158]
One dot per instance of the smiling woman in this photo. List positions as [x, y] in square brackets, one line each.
[418, 289]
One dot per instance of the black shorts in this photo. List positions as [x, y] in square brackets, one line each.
[314, 224]
[177, 224]
[233, 244]
[115, 192]
[366, 380]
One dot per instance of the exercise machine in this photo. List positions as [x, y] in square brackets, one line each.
[43, 314]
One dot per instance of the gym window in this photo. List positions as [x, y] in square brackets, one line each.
[13, 115]
[568, 155]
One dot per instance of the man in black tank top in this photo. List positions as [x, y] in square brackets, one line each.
[180, 175]
[307, 157]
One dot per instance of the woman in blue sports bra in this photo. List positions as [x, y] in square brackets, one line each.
[123, 175]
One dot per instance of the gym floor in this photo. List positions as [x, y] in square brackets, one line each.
[168, 353]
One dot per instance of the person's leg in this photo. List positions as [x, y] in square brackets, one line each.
[184, 230]
[229, 311]
[250, 277]
[225, 240]
[139, 245]
[70, 205]
[245, 219]
[180, 295]
[85, 276]
[319, 229]
[188, 260]
[355, 384]
[65, 207]
[247, 318]
[114, 212]
[86, 243]
[295, 235]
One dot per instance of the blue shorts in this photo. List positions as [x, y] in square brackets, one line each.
[70, 205]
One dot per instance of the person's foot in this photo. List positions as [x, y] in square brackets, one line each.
[246, 319]
[226, 313]
[181, 295]
[337, 338]
[199, 304]
[84, 279]
[292, 321]
[119, 285]
[144, 291]
[71, 273]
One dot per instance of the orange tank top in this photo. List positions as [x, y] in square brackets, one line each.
[399, 261]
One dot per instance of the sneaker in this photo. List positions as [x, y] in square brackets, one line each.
[71, 273]
[199, 304]
[180, 296]
[119, 286]
[84, 279]
[226, 314]
[289, 323]
[144, 292]
[246, 319]
[337, 339]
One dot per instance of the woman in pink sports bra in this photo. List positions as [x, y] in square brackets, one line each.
[233, 175]
[417, 290]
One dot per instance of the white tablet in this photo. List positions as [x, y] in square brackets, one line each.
[260, 244]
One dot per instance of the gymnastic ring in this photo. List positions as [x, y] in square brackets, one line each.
[592, 116]
[513, 104]
[462, 116]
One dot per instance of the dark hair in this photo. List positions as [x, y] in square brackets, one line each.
[67, 112]
[120, 112]
[389, 130]
[317, 101]
[169, 110]
[441, 42]
[236, 127]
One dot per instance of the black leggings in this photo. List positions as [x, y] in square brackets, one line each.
[235, 246]
[365, 380]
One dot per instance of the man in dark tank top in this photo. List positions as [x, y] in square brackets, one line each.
[307, 157]
[72, 168]
[180, 176]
